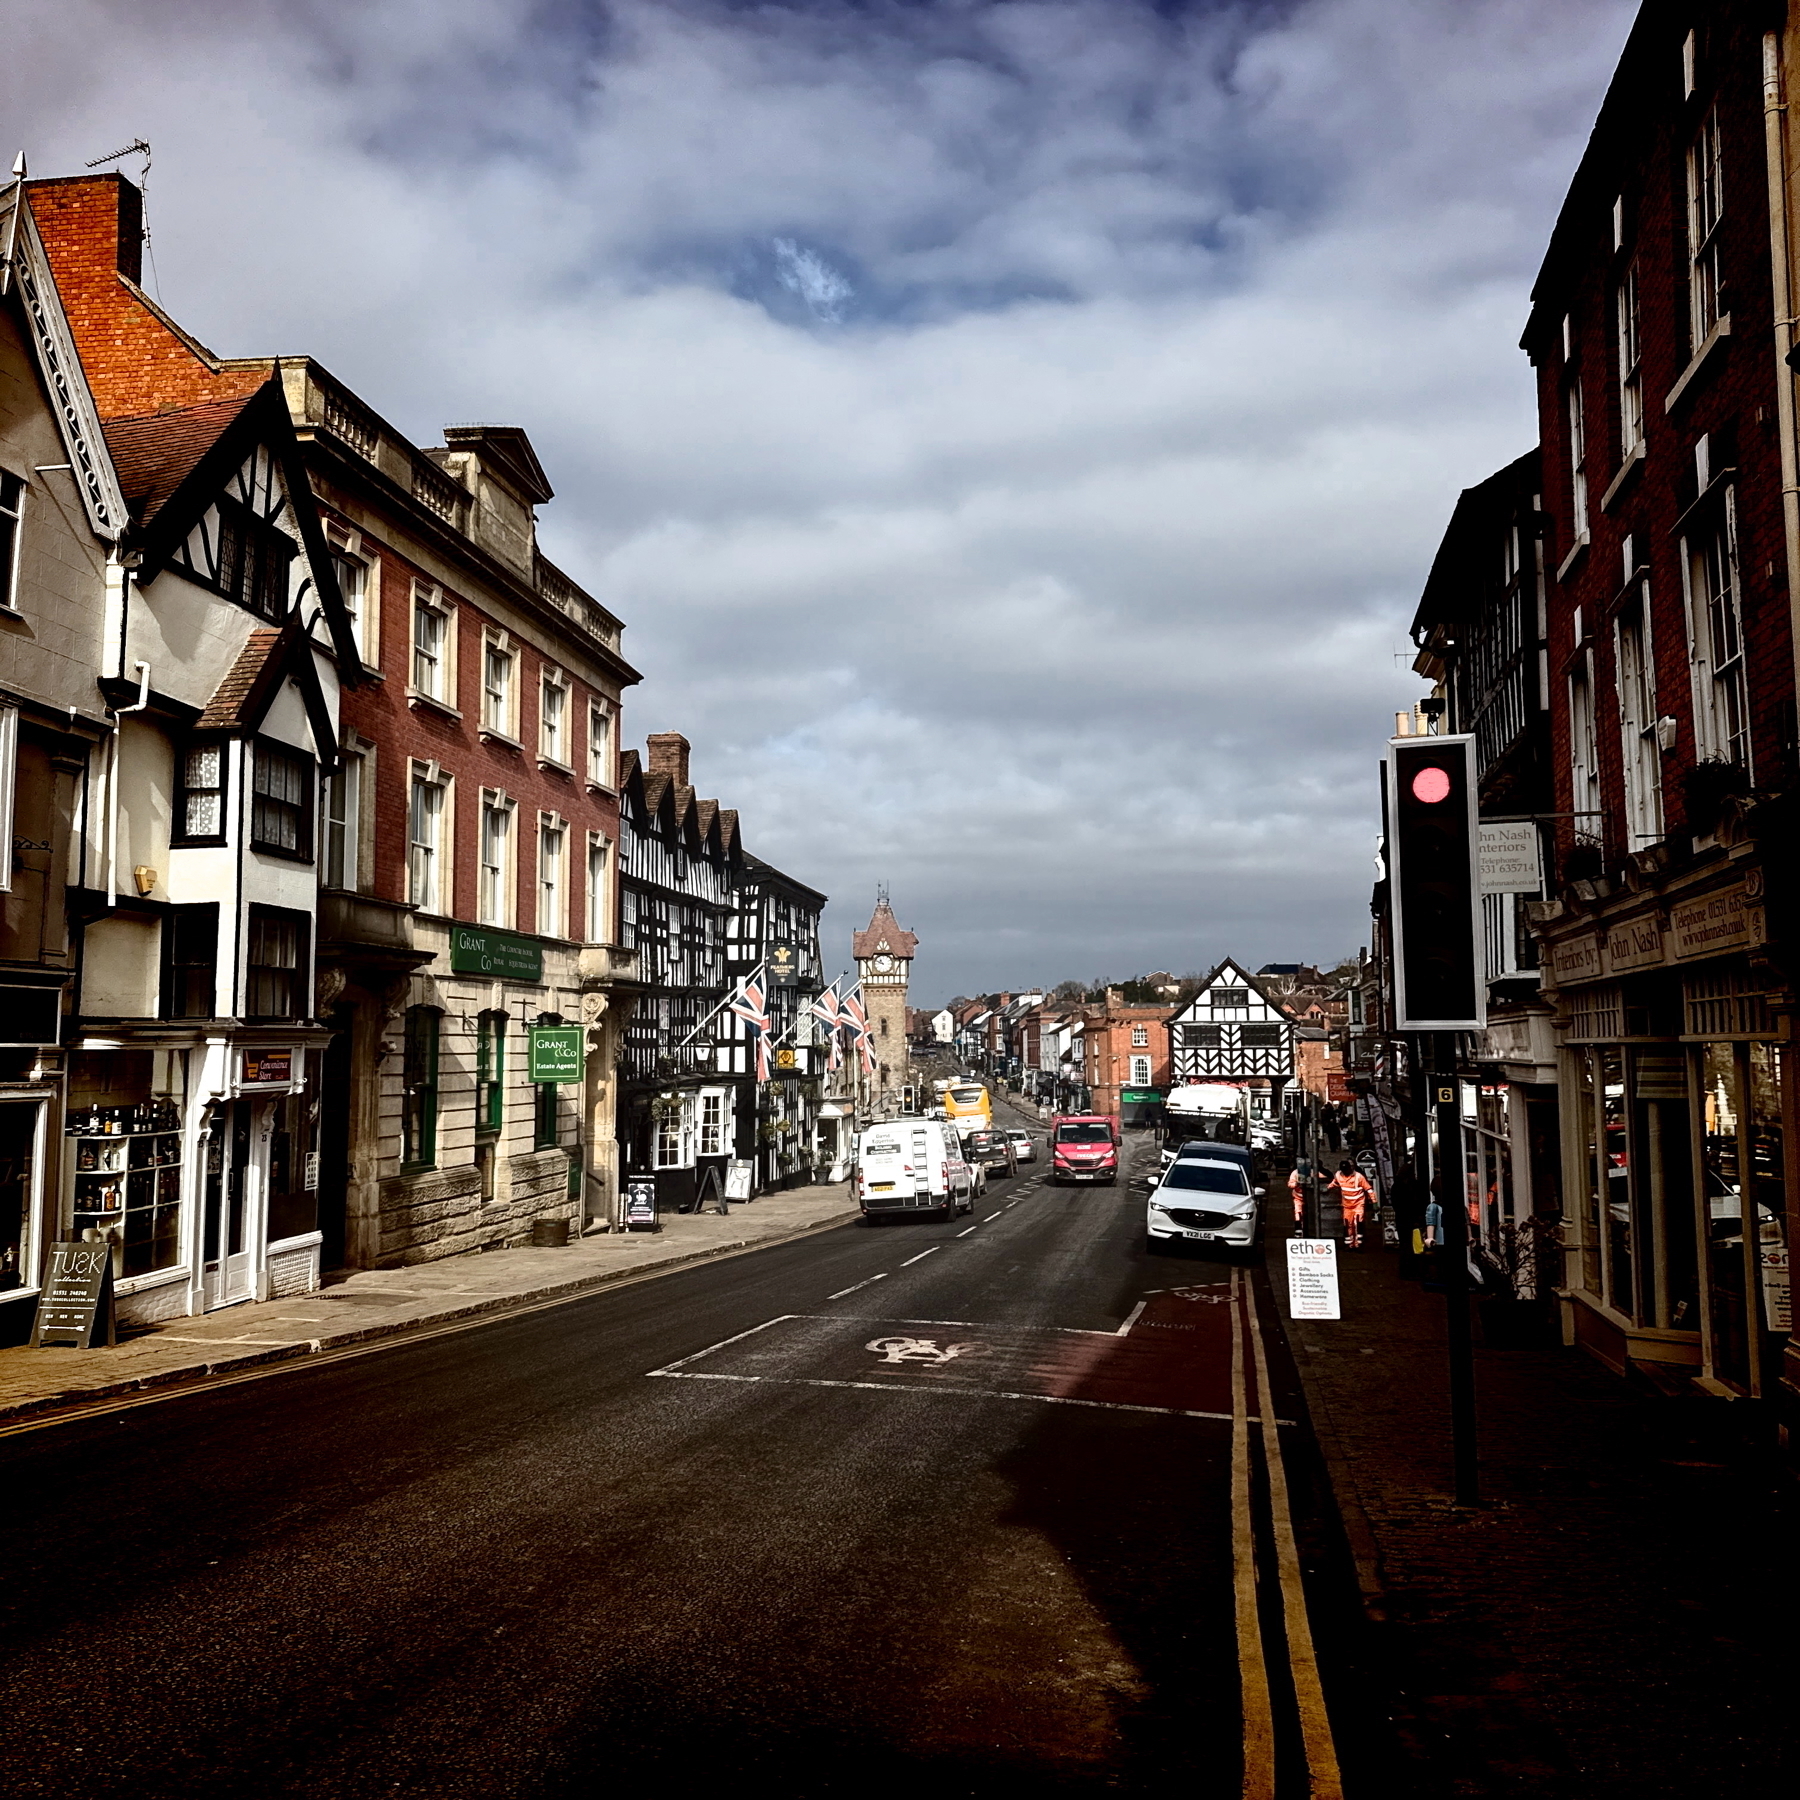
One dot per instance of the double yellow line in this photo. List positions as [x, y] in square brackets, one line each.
[1324, 1782]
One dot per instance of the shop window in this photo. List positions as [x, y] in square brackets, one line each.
[12, 510]
[190, 961]
[419, 1074]
[253, 561]
[670, 1145]
[200, 796]
[293, 1206]
[490, 1071]
[281, 801]
[276, 984]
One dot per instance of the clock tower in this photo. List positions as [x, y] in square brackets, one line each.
[884, 956]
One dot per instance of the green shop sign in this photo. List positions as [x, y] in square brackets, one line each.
[556, 1053]
[1139, 1097]
[474, 951]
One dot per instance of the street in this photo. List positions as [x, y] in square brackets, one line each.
[959, 1507]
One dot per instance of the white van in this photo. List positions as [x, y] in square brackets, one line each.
[912, 1166]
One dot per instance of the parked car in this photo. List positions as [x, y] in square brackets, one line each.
[1205, 1147]
[1206, 1201]
[913, 1166]
[1264, 1136]
[991, 1151]
[1024, 1146]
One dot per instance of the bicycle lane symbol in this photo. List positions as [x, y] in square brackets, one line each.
[920, 1355]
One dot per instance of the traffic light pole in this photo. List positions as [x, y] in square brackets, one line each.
[1454, 1211]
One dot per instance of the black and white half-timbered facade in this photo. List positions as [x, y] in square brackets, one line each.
[685, 1062]
[775, 927]
[1232, 1030]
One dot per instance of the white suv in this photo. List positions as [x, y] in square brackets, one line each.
[1206, 1201]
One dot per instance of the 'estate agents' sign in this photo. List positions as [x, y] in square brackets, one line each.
[77, 1302]
[1509, 858]
[556, 1053]
[475, 951]
[1312, 1278]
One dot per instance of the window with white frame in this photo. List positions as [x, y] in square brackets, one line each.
[432, 644]
[599, 895]
[553, 719]
[427, 876]
[12, 513]
[343, 809]
[499, 667]
[1631, 366]
[1140, 1071]
[712, 1122]
[1637, 720]
[1140, 1036]
[674, 1133]
[1578, 475]
[1705, 196]
[553, 838]
[1584, 762]
[1716, 640]
[600, 746]
[9, 782]
[494, 887]
[358, 582]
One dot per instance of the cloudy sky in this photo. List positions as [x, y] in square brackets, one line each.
[1014, 432]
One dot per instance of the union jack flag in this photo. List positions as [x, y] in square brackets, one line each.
[829, 1009]
[858, 1021]
[751, 1005]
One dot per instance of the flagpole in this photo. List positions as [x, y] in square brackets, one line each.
[743, 981]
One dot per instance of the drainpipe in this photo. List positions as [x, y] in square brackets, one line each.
[112, 784]
[1781, 269]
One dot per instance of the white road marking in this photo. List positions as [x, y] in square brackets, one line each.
[883, 1387]
[961, 1234]
[720, 1345]
[1009, 1206]
[935, 1248]
[992, 1217]
[1132, 1318]
[858, 1284]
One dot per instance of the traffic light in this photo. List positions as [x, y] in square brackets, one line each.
[1434, 882]
[909, 1099]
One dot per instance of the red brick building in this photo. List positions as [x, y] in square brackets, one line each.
[1127, 1050]
[467, 841]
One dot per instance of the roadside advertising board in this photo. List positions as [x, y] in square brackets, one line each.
[1313, 1278]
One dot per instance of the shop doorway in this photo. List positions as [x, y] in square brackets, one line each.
[228, 1225]
[334, 1140]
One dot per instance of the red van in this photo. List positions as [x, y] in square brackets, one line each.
[1084, 1147]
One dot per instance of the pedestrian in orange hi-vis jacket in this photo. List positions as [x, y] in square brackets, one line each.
[1354, 1193]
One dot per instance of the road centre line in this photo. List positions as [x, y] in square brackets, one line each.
[935, 1248]
[992, 1217]
[1309, 1690]
[851, 1289]
[963, 1234]
[1132, 1318]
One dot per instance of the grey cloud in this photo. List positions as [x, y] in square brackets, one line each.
[1059, 582]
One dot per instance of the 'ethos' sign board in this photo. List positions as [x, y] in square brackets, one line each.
[1312, 1278]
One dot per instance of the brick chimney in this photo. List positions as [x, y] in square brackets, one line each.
[669, 756]
[136, 359]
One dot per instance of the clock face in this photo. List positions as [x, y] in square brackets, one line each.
[883, 964]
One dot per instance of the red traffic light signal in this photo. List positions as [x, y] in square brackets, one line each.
[1435, 885]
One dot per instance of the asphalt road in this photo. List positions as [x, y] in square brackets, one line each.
[936, 1508]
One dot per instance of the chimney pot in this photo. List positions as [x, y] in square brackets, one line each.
[669, 756]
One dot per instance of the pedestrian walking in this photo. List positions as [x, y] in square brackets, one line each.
[1297, 1190]
[1354, 1193]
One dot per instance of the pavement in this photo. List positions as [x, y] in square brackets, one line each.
[357, 1307]
[1612, 1620]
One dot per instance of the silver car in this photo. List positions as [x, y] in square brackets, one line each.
[1024, 1146]
[1204, 1201]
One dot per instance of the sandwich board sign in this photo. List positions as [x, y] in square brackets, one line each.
[1312, 1278]
[76, 1307]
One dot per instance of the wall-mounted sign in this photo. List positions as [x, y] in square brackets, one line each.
[555, 1053]
[1716, 923]
[1509, 858]
[783, 962]
[1634, 944]
[1576, 959]
[76, 1306]
[265, 1067]
[786, 1059]
[475, 950]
